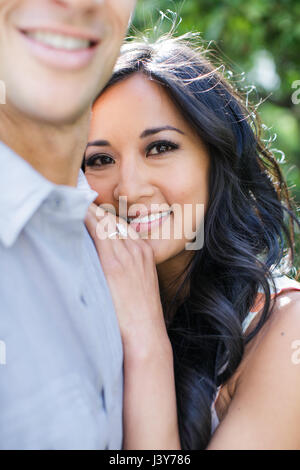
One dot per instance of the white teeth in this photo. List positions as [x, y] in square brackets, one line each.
[59, 41]
[144, 220]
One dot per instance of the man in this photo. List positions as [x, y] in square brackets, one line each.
[61, 383]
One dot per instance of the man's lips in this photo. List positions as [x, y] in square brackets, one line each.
[63, 30]
[59, 48]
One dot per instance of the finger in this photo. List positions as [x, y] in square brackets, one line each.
[98, 211]
[106, 227]
[93, 207]
[91, 223]
[110, 224]
[140, 248]
[126, 231]
[117, 223]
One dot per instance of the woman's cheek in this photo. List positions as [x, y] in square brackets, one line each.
[97, 185]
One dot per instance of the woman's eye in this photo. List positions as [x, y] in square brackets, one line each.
[161, 147]
[98, 160]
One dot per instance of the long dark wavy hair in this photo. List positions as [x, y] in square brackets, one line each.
[249, 225]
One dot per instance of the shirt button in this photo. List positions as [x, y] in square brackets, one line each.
[54, 202]
[82, 299]
[103, 399]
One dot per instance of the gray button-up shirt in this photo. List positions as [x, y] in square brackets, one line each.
[61, 357]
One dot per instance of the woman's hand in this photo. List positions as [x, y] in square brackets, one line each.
[149, 411]
[129, 267]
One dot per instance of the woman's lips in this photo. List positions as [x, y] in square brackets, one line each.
[147, 227]
[59, 57]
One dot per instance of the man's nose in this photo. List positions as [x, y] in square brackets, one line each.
[133, 183]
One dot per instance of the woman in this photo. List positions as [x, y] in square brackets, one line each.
[210, 359]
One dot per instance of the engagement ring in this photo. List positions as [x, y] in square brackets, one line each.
[111, 235]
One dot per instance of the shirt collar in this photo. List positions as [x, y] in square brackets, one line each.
[23, 190]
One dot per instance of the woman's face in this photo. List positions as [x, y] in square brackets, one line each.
[141, 149]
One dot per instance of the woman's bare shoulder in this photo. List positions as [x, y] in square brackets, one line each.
[264, 408]
[286, 314]
[227, 390]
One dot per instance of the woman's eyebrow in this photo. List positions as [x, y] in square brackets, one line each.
[156, 130]
[98, 143]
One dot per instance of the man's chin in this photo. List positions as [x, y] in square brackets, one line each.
[52, 112]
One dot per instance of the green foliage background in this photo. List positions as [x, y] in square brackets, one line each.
[255, 37]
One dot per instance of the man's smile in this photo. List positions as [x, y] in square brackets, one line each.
[61, 47]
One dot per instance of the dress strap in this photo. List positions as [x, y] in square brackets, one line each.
[283, 283]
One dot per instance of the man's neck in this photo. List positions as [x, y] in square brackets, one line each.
[55, 151]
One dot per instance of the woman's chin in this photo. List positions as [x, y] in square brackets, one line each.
[162, 250]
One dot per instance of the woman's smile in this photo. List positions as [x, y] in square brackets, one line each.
[149, 222]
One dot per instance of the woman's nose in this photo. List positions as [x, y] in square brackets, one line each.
[133, 183]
